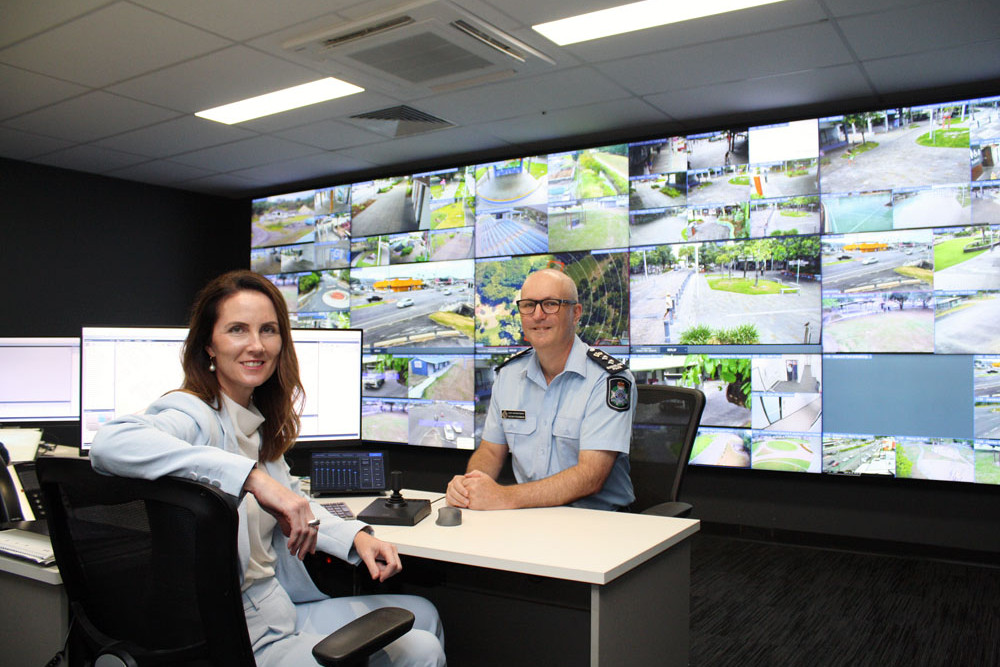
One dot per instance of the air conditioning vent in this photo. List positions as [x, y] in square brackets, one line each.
[367, 31]
[417, 47]
[399, 121]
[486, 39]
[421, 57]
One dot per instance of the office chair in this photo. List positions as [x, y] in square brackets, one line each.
[663, 432]
[151, 570]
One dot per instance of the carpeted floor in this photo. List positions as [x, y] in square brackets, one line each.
[759, 603]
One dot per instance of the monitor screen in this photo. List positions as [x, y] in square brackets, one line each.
[346, 472]
[39, 379]
[330, 369]
[832, 284]
[127, 368]
[124, 369]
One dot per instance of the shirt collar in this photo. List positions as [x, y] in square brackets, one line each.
[576, 362]
[246, 420]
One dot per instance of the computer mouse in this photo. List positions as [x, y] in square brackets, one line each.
[449, 516]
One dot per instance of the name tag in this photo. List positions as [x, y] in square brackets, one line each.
[512, 414]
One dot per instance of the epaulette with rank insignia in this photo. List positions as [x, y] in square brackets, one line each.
[516, 355]
[618, 393]
[606, 361]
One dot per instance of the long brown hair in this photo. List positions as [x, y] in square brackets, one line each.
[280, 398]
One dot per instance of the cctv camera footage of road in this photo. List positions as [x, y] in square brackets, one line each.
[831, 284]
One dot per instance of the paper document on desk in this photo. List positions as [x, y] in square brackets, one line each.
[29, 546]
[22, 443]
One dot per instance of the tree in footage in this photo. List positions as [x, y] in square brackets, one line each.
[900, 298]
[734, 373]
[859, 121]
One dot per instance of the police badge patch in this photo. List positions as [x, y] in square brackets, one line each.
[619, 395]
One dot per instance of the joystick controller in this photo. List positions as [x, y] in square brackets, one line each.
[395, 510]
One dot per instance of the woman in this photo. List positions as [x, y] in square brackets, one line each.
[230, 425]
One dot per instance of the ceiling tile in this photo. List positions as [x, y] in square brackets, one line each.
[182, 135]
[25, 91]
[840, 8]
[218, 78]
[700, 105]
[532, 12]
[241, 20]
[160, 172]
[25, 19]
[428, 146]
[312, 167]
[91, 159]
[330, 135]
[917, 29]
[89, 117]
[586, 120]
[784, 51]
[79, 51]
[941, 68]
[547, 92]
[25, 146]
[222, 185]
[244, 154]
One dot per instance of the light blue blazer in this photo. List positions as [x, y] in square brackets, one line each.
[182, 436]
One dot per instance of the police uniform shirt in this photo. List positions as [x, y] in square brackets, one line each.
[587, 406]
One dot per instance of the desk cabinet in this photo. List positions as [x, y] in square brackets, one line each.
[34, 613]
[557, 585]
[492, 617]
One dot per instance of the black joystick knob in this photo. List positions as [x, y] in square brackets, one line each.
[396, 483]
[396, 510]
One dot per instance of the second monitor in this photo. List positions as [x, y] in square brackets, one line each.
[124, 369]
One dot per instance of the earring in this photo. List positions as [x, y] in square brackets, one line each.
[211, 364]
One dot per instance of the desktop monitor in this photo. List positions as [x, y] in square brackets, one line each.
[39, 379]
[124, 369]
[127, 368]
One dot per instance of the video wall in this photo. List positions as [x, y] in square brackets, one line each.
[832, 284]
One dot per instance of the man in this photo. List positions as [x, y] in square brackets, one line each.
[563, 411]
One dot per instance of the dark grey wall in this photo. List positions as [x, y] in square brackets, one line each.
[82, 250]
[78, 249]
[884, 512]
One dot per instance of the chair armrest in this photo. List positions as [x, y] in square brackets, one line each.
[363, 636]
[674, 509]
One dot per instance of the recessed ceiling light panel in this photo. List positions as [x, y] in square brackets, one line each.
[280, 100]
[636, 16]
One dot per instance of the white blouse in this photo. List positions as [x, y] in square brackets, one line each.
[260, 523]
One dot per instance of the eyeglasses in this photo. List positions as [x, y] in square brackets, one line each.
[549, 306]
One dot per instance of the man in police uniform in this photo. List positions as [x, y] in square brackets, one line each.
[563, 411]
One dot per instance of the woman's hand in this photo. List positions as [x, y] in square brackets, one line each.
[290, 509]
[380, 557]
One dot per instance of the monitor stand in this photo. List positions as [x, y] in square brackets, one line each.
[395, 510]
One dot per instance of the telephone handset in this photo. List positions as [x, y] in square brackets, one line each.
[20, 492]
[10, 506]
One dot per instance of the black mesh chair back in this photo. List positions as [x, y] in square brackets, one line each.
[663, 433]
[149, 567]
[151, 570]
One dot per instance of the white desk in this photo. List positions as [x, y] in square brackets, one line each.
[634, 570]
[34, 612]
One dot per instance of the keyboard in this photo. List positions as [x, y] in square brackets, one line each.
[338, 508]
[28, 546]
